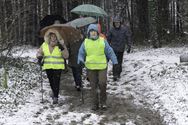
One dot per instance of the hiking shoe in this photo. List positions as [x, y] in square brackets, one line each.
[78, 88]
[52, 95]
[55, 100]
[95, 108]
[104, 107]
[115, 78]
[119, 76]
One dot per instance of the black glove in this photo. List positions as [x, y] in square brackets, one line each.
[82, 65]
[60, 46]
[40, 60]
[128, 50]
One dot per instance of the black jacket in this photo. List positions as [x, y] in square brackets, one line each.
[118, 38]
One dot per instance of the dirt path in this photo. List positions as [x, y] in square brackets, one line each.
[120, 111]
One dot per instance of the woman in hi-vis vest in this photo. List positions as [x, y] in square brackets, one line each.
[94, 53]
[53, 51]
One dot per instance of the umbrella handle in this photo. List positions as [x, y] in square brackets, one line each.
[60, 46]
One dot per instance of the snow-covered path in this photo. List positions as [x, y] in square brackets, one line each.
[157, 77]
[151, 78]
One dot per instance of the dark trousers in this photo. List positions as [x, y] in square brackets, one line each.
[98, 79]
[54, 79]
[117, 69]
[77, 72]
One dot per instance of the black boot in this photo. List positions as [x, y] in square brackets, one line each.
[103, 107]
[55, 100]
[115, 78]
[78, 88]
[95, 108]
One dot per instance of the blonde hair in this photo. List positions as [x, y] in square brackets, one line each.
[52, 31]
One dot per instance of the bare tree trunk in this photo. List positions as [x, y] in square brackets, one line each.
[142, 9]
[70, 6]
[179, 19]
[173, 17]
[19, 8]
[59, 10]
[24, 22]
[1, 19]
[96, 2]
[49, 9]
[162, 21]
[184, 16]
[132, 18]
[35, 23]
[14, 20]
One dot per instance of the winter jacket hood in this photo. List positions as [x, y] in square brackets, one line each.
[47, 35]
[93, 27]
[115, 20]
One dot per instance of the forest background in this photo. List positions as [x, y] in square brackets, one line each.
[152, 22]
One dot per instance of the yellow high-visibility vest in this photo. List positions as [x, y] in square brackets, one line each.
[52, 60]
[95, 55]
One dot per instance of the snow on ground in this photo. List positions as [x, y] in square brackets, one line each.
[152, 76]
[155, 76]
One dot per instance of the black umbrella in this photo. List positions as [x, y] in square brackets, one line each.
[50, 19]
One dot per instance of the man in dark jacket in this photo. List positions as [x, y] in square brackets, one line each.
[118, 37]
[72, 61]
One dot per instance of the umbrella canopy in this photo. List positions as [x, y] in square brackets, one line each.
[89, 10]
[50, 19]
[80, 22]
[68, 33]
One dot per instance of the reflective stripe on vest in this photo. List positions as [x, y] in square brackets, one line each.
[95, 56]
[52, 60]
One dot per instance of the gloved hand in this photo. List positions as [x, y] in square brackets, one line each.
[60, 46]
[40, 60]
[82, 65]
[128, 50]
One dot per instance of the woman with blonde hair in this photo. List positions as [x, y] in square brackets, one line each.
[53, 52]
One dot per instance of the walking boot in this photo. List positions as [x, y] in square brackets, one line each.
[55, 100]
[95, 108]
[78, 88]
[104, 107]
[115, 78]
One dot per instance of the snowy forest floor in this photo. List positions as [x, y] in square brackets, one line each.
[152, 91]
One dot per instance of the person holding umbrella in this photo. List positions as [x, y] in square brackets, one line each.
[94, 53]
[53, 52]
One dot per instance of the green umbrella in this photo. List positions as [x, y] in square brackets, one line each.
[89, 10]
[80, 22]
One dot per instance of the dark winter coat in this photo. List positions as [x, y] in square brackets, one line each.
[73, 49]
[118, 38]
